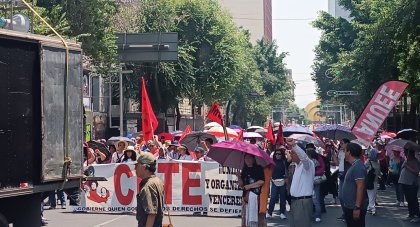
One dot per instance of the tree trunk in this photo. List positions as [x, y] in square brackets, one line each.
[227, 122]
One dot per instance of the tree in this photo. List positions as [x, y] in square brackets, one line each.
[86, 21]
[211, 52]
[385, 46]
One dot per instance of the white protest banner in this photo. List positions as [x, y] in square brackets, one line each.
[189, 187]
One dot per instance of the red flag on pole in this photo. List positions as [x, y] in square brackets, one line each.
[241, 135]
[270, 133]
[187, 131]
[215, 114]
[280, 137]
[148, 119]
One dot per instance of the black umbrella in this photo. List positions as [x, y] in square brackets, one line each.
[100, 146]
[335, 132]
[193, 139]
[406, 133]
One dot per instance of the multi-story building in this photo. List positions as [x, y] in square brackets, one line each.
[253, 15]
[336, 10]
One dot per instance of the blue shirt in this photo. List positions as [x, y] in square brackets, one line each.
[357, 171]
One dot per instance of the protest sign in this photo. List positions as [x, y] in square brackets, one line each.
[189, 187]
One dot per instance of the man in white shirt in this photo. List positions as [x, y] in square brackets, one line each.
[118, 155]
[302, 187]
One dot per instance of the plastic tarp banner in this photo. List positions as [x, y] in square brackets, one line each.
[377, 110]
[190, 187]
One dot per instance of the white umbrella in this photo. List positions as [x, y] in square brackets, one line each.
[253, 128]
[211, 125]
[218, 132]
[252, 135]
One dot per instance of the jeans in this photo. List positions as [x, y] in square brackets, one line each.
[275, 192]
[348, 214]
[52, 199]
[317, 201]
[410, 192]
[398, 188]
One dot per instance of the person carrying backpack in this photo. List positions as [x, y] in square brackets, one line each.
[373, 173]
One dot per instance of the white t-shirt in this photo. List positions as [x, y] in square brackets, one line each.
[341, 157]
[303, 177]
[116, 157]
[185, 157]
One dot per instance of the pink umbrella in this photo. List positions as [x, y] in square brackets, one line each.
[232, 154]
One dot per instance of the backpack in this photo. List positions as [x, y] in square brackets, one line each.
[370, 182]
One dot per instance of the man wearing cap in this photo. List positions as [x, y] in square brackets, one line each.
[184, 154]
[199, 154]
[173, 151]
[150, 198]
[117, 157]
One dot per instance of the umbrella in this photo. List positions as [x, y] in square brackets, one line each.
[211, 125]
[295, 129]
[218, 132]
[235, 127]
[115, 139]
[232, 154]
[406, 133]
[253, 128]
[335, 132]
[252, 135]
[388, 134]
[193, 139]
[307, 138]
[391, 148]
[166, 136]
[261, 131]
[100, 146]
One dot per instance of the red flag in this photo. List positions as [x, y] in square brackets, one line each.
[241, 135]
[215, 114]
[187, 131]
[270, 133]
[376, 111]
[280, 138]
[148, 119]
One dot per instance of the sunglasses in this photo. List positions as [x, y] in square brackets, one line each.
[277, 154]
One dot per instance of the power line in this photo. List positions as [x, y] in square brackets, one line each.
[275, 19]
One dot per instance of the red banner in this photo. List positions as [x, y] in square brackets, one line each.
[280, 137]
[270, 133]
[187, 131]
[375, 113]
[149, 123]
[215, 114]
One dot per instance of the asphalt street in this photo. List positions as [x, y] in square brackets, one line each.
[387, 215]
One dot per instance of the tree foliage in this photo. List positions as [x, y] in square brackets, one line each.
[86, 21]
[381, 42]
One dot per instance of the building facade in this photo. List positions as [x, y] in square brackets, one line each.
[253, 15]
[336, 10]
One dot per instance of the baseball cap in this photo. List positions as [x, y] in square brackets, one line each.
[183, 146]
[145, 158]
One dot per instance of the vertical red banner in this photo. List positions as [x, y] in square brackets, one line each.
[377, 110]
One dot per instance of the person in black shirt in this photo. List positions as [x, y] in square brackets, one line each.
[251, 178]
[278, 186]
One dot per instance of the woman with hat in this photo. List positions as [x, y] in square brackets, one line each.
[118, 156]
[129, 155]
[184, 154]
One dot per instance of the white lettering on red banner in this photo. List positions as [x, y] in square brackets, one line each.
[375, 113]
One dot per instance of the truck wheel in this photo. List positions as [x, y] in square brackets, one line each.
[3, 221]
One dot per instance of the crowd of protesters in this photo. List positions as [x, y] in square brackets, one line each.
[302, 176]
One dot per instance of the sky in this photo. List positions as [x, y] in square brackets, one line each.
[298, 38]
